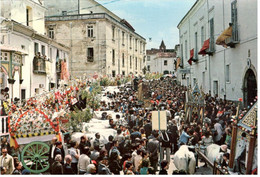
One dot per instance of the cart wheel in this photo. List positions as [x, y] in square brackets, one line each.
[34, 157]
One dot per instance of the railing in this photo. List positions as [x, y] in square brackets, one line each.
[39, 65]
[234, 39]
[214, 166]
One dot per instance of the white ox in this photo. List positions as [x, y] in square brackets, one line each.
[185, 160]
[213, 152]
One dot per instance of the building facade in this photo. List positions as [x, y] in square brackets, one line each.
[100, 41]
[161, 60]
[31, 62]
[218, 47]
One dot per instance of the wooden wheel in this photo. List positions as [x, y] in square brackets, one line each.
[35, 157]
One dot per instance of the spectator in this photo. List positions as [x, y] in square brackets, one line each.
[165, 145]
[51, 152]
[164, 167]
[97, 140]
[59, 150]
[91, 169]
[57, 167]
[95, 154]
[184, 136]
[7, 161]
[102, 167]
[129, 168]
[83, 143]
[114, 164]
[18, 167]
[84, 160]
[153, 148]
[67, 167]
[144, 168]
[74, 152]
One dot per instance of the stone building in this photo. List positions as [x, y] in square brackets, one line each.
[161, 60]
[100, 41]
[30, 61]
[218, 46]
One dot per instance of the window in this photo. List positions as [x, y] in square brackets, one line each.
[135, 63]
[182, 51]
[165, 62]
[50, 54]
[186, 49]
[28, 16]
[90, 55]
[36, 48]
[148, 58]
[143, 48]
[140, 46]
[51, 32]
[43, 50]
[202, 36]
[215, 88]
[227, 73]
[57, 56]
[23, 94]
[113, 33]
[113, 56]
[130, 61]
[123, 60]
[188, 81]
[123, 73]
[123, 38]
[113, 73]
[196, 46]
[148, 68]
[211, 45]
[64, 12]
[234, 20]
[194, 81]
[90, 31]
[135, 44]
[130, 40]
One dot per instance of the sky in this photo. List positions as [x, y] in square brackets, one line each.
[156, 19]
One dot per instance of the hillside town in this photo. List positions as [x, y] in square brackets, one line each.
[82, 94]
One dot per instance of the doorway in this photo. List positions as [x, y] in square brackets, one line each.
[250, 87]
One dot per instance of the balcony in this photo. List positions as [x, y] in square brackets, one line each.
[39, 65]
[90, 59]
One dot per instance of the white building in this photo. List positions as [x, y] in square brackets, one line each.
[100, 41]
[228, 72]
[22, 40]
[161, 60]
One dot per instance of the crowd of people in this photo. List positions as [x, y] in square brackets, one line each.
[137, 148]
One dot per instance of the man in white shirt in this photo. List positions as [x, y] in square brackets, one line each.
[84, 160]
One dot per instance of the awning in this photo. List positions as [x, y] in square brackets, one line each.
[191, 56]
[204, 48]
[221, 39]
[178, 62]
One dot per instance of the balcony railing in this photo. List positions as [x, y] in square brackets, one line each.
[39, 65]
[234, 39]
[90, 58]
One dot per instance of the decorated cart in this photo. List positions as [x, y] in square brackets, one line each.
[243, 157]
[32, 126]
